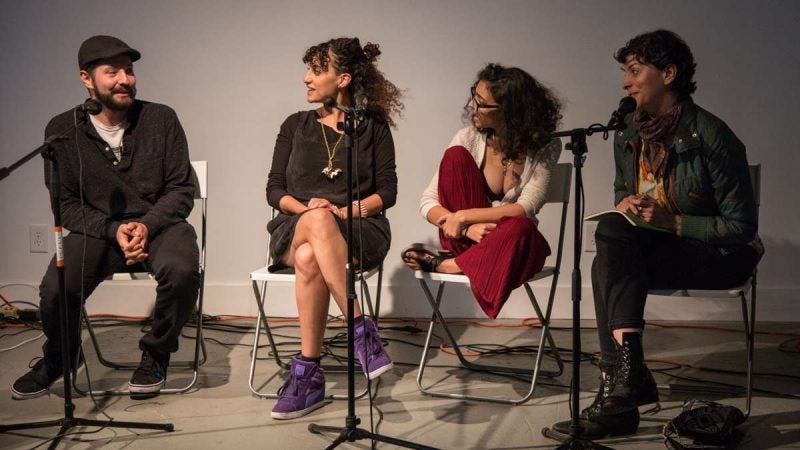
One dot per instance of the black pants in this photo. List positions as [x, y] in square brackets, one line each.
[630, 260]
[173, 259]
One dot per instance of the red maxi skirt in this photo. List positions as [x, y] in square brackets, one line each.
[505, 258]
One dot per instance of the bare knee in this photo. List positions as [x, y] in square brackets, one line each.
[305, 262]
[319, 222]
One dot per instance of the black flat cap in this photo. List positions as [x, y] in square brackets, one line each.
[97, 48]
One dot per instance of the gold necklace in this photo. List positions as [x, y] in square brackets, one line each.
[329, 171]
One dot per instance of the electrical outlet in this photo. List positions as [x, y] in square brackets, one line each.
[588, 236]
[37, 238]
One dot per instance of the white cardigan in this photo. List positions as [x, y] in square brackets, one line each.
[534, 180]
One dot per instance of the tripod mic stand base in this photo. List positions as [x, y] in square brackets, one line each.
[71, 422]
[352, 434]
[574, 439]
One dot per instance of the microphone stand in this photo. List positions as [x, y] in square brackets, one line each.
[578, 428]
[351, 432]
[69, 420]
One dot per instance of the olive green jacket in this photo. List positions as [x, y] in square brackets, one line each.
[707, 180]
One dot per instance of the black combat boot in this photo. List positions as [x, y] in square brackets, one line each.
[644, 390]
[606, 383]
[632, 385]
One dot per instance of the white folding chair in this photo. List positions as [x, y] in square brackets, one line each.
[558, 192]
[200, 169]
[739, 292]
[260, 278]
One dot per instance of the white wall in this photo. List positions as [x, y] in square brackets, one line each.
[232, 70]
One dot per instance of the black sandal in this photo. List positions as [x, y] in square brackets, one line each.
[437, 256]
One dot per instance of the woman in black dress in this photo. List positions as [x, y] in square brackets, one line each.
[307, 184]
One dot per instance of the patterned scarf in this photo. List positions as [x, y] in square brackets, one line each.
[657, 133]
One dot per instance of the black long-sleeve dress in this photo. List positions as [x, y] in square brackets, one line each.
[297, 163]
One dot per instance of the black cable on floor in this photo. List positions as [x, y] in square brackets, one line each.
[338, 341]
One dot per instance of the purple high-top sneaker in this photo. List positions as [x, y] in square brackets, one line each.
[371, 354]
[302, 393]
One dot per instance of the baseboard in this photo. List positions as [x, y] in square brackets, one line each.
[135, 298]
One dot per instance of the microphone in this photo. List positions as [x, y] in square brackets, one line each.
[361, 101]
[330, 102]
[90, 106]
[626, 106]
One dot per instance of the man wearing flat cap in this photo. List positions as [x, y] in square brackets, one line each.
[126, 190]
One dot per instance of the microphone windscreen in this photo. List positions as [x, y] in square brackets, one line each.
[626, 106]
[361, 100]
[330, 102]
[92, 107]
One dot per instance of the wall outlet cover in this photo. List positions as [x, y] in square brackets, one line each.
[38, 237]
[588, 236]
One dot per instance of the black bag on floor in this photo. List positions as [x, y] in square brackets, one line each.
[704, 424]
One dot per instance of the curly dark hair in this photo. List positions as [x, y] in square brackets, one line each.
[347, 56]
[530, 110]
[661, 48]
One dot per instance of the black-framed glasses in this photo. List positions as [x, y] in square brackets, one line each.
[478, 103]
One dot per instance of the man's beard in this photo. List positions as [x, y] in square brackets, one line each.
[107, 98]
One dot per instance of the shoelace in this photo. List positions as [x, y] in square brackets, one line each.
[606, 386]
[38, 365]
[624, 365]
[290, 383]
[367, 340]
[149, 365]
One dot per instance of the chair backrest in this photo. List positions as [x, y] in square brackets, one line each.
[200, 179]
[200, 176]
[559, 189]
[558, 192]
[755, 179]
[268, 262]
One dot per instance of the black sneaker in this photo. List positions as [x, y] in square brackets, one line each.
[150, 376]
[36, 382]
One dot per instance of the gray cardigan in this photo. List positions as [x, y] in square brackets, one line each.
[532, 188]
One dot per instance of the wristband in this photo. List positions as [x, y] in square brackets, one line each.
[360, 207]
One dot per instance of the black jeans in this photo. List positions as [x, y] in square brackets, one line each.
[173, 259]
[630, 260]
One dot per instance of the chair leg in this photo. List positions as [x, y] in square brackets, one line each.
[194, 364]
[98, 350]
[423, 362]
[200, 343]
[377, 314]
[534, 372]
[545, 321]
[198, 360]
[260, 300]
[749, 328]
[749, 321]
[367, 298]
[262, 319]
[373, 311]
[260, 295]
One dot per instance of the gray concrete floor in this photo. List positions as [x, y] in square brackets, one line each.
[221, 412]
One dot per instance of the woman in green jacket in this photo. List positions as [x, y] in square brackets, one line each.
[683, 170]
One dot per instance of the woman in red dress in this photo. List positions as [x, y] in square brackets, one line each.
[490, 184]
